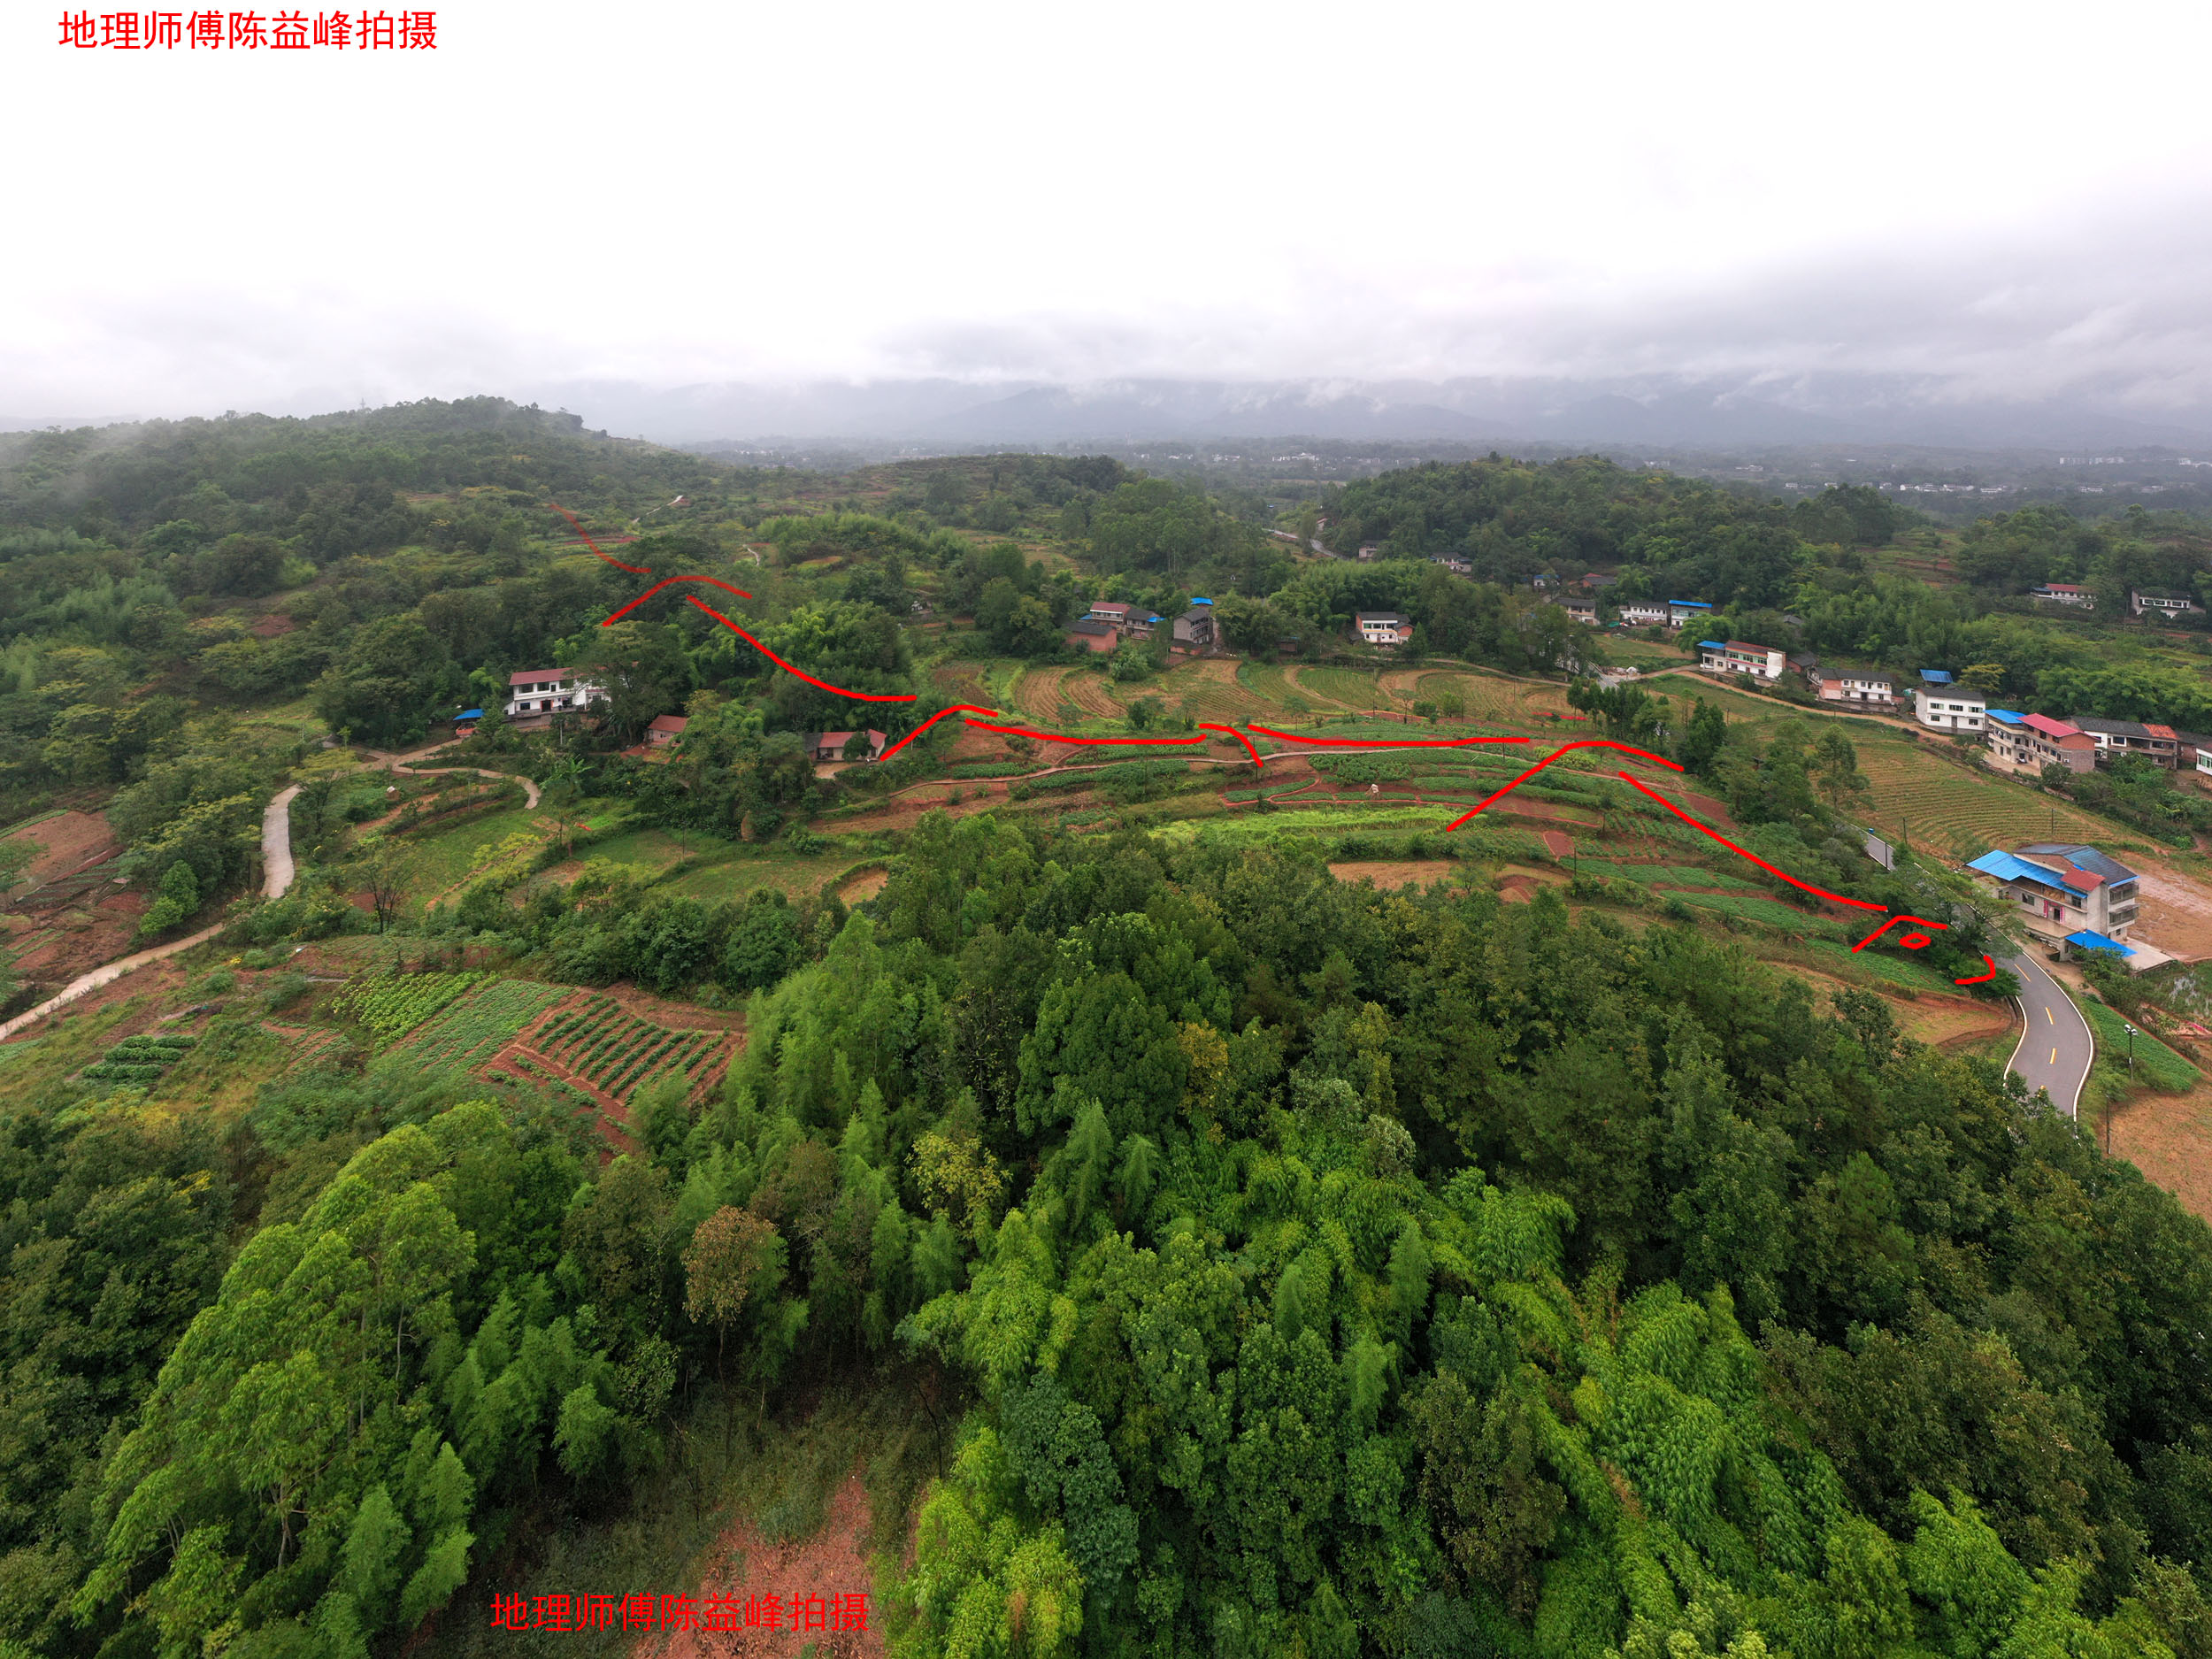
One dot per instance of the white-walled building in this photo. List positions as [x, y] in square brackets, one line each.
[544, 691]
[1942, 705]
[1733, 657]
[1383, 627]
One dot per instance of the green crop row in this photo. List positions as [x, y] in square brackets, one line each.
[1766, 910]
[1673, 875]
[471, 1030]
[391, 1006]
[122, 1072]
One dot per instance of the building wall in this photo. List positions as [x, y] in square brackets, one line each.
[1942, 711]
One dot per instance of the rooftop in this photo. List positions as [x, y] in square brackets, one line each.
[2005, 867]
[2083, 856]
[1935, 676]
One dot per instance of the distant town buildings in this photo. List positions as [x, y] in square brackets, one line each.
[1093, 635]
[2029, 743]
[2159, 745]
[2147, 602]
[1943, 706]
[1855, 688]
[1733, 657]
[1132, 622]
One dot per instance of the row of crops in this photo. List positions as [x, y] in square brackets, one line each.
[471, 1029]
[611, 1049]
[138, 1059]
[1660, 875]
[391, 1005]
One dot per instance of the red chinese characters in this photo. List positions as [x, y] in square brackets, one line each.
[644, 1611]
[249, 31]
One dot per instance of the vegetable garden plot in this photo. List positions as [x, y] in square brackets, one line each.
[602, 1043]
[392, 1005]
[470, 1030]
[138, 1060]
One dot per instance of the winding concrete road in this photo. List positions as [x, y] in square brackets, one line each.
[2055, 1047]
[276, 844]
[276, 858]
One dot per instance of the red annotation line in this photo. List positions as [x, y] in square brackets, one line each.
[1056, 737]
[957, 708]
[635, 570]
[1387, 743]
[1989, 962]
[1783, 874]
[657, 586]
[1921, 920]
[1258, 759]
[863, 696]
[1586, 743]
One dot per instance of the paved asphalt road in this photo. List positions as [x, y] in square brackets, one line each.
[2055, 1050]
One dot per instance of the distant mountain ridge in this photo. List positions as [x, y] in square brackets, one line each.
[1665, 412]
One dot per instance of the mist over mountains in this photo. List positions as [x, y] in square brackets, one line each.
[1674, 411]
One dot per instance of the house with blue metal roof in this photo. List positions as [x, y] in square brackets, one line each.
[1941, 705]
[2066, 894]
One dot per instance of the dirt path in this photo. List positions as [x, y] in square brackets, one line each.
[379, 760]
[105, 974]
[276, 844]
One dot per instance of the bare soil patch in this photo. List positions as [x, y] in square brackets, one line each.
[67, 844]
[2168, 1137]
[2174, 913]
[832, 1562]
[1557, 845]
[1390, 873]
[855, 890]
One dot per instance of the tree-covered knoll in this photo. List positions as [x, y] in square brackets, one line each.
[1319, 1270]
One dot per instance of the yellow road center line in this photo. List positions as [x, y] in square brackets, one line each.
[2046, 1013]
[2053, 1056]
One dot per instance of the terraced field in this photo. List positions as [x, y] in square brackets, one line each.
[1037, 694]
[1210, 691]
[1947, 808]
[1267, 682]
[1341, 687]
[470, 1030]
[1491, 701]
[1090, 690]
[598, 1043]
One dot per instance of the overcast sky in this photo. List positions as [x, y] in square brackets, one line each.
[2015, 200]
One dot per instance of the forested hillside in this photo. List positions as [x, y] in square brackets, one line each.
[1328, 1271]
[1208, 1206]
